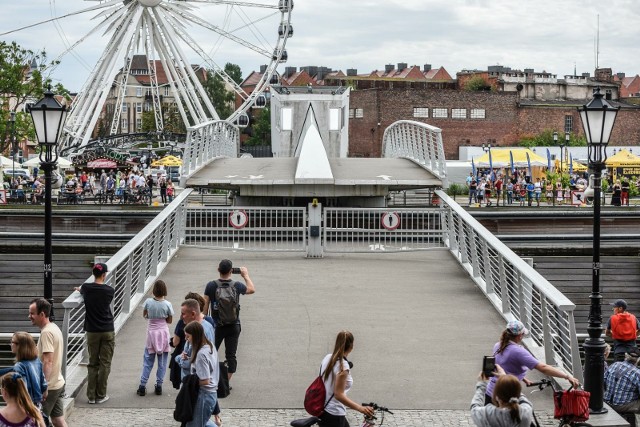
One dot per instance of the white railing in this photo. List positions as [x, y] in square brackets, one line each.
[515, 288]
[419, 142]
[132, 271]
[250, 228]
[207, 141]
[390, 230]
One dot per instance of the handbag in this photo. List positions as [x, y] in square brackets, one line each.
[573, 404]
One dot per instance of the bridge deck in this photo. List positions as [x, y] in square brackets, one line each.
[421, 328]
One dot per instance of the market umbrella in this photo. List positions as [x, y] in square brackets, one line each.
[168, 161]
[6, 162]
[501, 158]
[623, 158]
[35, 162]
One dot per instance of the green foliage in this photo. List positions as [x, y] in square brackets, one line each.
[457, 190]
[554, 176]
[545, 139]
[476, 84]
[22, 78]
[261, 134]
[170, 118]
[633, 186]
[223, 100]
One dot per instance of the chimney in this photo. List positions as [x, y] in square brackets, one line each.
[388, 68]
[427, 68]
[586, 75]
[263, 69]
[352, 72]
[620, 75]
[402, 66]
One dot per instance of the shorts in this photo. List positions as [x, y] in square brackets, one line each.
[53, 406]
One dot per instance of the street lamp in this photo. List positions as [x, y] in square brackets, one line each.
[48, 119]
[567, 138]
[555, 142]
[598, 118]
[14, 148]
[486, 147]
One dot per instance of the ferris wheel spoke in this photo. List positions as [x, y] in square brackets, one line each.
[196, 20]
[236, 3]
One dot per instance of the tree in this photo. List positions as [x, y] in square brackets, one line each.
[545, 139]
[223, 100]
[22, 80]
[261, 134]
[476, 84]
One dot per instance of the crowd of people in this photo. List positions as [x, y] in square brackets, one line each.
[498, 399]
[523, 190]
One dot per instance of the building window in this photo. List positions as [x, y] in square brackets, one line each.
[440, 113]
[477, 113]
[359, 113]
[334, 119]
[147, 106]
[458, 113]
[167, 90]
[139, 91]
[287, 119]
[125, 125]
[138, 124]
[568, 124]
[352, 113]
[420, 112]
[124, 107]
[138, 107]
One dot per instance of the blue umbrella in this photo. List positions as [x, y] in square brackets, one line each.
[570, 164]
[513, 166]
[548, 160]
[529, 163]
[473, 168]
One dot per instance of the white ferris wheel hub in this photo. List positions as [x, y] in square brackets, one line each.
[150, 3]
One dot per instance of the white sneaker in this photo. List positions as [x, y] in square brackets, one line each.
[92, 401]
[104, 399]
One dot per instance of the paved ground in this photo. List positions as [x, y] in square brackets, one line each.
[421, 329]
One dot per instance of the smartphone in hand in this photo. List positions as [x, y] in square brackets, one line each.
[488, 366]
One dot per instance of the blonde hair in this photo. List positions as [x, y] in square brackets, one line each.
[26, 348]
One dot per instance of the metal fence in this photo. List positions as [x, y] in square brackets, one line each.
[132, 271]
[367, 230]
[206, 142]
[516, 290]
[250, 228]
[419, 142]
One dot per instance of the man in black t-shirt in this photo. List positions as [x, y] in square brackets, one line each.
[99, 328]
[229, 333]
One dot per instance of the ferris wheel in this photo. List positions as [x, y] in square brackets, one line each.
[170, 34]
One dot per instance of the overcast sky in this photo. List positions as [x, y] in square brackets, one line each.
[367, 34]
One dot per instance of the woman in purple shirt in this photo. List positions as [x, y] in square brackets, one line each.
[516, 360]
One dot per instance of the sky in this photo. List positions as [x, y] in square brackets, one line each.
[553, 36]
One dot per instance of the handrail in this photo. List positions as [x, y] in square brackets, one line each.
[419, 142]
[132, 270]
[514, 287]
[205, 142]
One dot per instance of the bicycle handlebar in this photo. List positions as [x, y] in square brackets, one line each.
[378, 408]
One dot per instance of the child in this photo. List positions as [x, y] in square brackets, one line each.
[159, 312]
[170, 191]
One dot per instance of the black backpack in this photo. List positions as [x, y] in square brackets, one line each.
[223, 381]
[226, 304]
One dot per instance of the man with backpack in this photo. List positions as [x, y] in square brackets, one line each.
[224, 296]
[623, 328]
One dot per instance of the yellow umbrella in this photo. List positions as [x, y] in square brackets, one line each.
[623, 158]
[168, 161]
[501, 158]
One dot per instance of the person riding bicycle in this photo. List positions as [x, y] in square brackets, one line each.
[509, 406]
[338, 382]
[516, 360]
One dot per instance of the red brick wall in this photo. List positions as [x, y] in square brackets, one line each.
[504, 123]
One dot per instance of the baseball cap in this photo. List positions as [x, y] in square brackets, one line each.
[225, 266]
[619, 303]
[516, 327]
[99, 269]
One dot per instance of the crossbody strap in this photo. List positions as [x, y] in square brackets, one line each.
[327, 402]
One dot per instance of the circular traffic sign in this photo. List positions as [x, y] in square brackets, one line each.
[238, 218]
[390, 220]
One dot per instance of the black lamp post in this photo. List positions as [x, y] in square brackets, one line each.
[598, 117]
[48, 119]
[567, 138]
[14, 148]
[555, 142]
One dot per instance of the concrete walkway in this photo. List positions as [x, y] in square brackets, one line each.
[421, 328]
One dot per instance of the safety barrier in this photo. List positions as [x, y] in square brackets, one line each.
[419, 142]
[367, 230]
[515, 289]
[250, 228]
[132, 271]
[206, 142]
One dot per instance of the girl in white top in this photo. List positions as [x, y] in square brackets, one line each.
[338, 382]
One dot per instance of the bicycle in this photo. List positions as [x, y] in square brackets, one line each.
[367, 422]
[565, 420]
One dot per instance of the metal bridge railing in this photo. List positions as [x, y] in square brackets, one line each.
[515, 289]
[206, 142]
[419, 142]
[390, 230]
[250, 228]
[132, 271]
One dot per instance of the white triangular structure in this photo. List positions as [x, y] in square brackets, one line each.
[313, 162]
